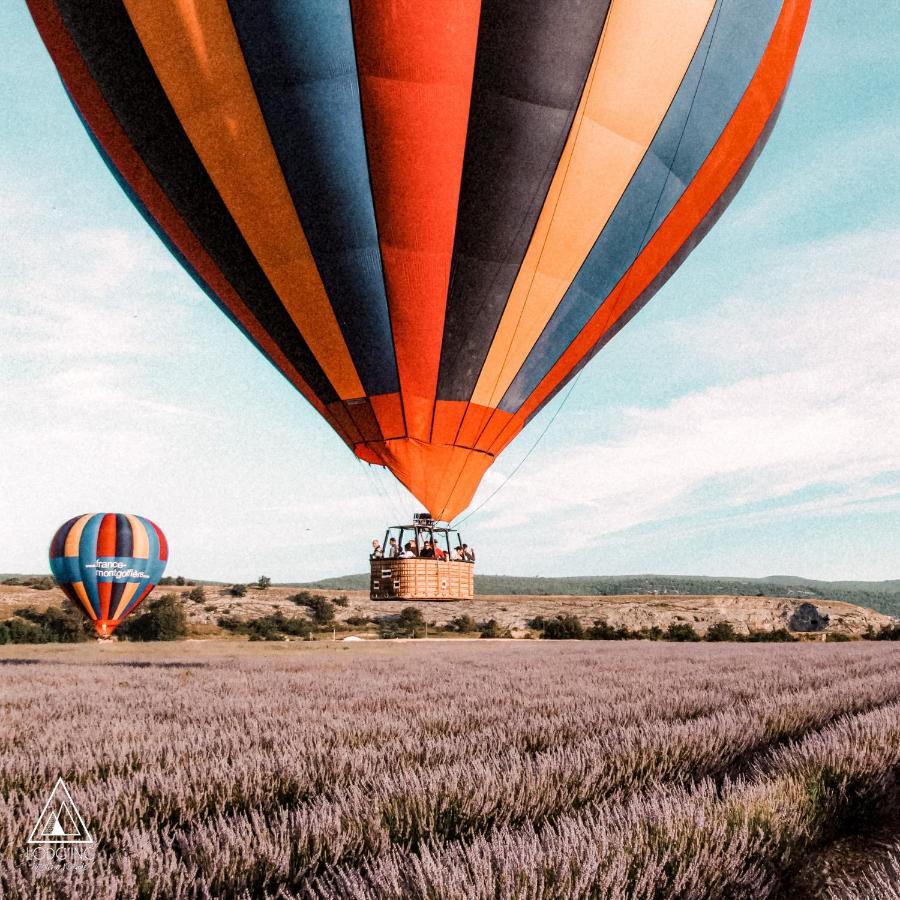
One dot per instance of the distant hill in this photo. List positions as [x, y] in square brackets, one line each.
[883, 596]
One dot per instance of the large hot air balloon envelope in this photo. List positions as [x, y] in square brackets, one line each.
[107, 563]
[428, 216]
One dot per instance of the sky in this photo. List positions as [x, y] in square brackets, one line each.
[745, 423]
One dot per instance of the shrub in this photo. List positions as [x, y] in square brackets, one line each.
[342, 601]
[411, 619]
[834, 637]
[230, 623]
[463, 624]
[274, 627]
[179, 580]
[778, 636]
[56, 625]
[322, 611]
[537, 623]
[35, 582]
[163, 620]
[601, 630]
[681, 631]
[406, 624]
[563, 628]
[238, 590]
[358, 621]
[653, 633]
[263, 582]
[493, 629]
[300, 627]
[721, 631]
[41, 583]
[265, 633]
[885, 633]
[197, 594]
[18, 631]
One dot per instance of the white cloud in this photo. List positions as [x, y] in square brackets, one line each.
[807, 400]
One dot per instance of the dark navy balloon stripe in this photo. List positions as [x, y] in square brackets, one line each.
[531, 67]
[717, 77]
[111, 50]
[58, 543]
[302, 63]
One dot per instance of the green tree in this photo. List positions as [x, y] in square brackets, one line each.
[263, 582]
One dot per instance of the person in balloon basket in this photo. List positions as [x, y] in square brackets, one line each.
[457, 554]
[427, 550]
[393, 549]
[468, 554]
[377, 552]
[408, 552]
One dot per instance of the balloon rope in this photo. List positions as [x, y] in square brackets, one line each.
[524, 458]
[379, 488]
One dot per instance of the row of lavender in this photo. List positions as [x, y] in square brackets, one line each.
[515, 771]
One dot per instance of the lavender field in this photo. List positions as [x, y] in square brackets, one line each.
[457, 769]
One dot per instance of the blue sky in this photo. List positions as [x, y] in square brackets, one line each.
[745, 423]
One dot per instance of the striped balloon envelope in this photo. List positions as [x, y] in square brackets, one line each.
[428, 216]
[107, 563]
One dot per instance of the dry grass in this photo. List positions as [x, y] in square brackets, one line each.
[513, 612]
[451, 770]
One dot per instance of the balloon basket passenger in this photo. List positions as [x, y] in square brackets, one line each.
[421, 561]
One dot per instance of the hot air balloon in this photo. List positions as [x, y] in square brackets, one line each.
[428, 217]
[107, 563]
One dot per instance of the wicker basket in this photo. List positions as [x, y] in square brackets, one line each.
[421, 579]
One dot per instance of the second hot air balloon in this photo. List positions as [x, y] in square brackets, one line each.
[107, 564]
[428, 220]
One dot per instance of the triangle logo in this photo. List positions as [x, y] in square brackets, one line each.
[59, 821]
